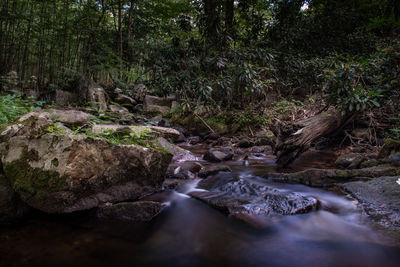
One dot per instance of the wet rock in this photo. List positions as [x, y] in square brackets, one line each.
[350, 160]
[218, 155]
[196, 167]
[330, 177]
[244, 143]
[211, 170]
[250, 197]
[179, 172]
[379, 198]
[139, 211]
[179, 154]
[174, 184]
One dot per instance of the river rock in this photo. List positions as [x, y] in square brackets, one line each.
[218, 155]
[211, 170]
[379, 199]
[139, 211]
[251, 197]
[179, 153]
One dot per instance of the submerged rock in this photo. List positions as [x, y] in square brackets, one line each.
[379, 199]
[251, 197]
[139, 211]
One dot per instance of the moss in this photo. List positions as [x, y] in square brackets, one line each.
[31, 182]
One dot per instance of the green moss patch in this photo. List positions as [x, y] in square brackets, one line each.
[31, 182]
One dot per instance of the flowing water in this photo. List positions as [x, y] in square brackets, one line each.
[191, 233]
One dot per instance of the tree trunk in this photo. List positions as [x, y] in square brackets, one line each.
[295, 138]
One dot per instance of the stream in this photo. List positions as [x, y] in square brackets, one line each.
[191, 233]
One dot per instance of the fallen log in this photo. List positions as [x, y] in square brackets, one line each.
[295, 138]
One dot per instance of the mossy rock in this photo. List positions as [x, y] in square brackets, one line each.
[31, 182]
[391, 146]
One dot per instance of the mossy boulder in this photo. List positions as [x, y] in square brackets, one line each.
[65, 173]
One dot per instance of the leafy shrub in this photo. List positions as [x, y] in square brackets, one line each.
[356, 83]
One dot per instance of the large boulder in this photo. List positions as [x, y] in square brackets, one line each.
[61, 172]
[251, 197]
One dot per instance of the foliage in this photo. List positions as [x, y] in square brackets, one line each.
[357, 83]
[12, 107]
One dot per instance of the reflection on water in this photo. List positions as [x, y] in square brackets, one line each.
[190, 233]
